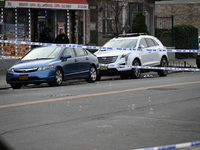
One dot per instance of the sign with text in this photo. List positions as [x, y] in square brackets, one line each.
[48, 4]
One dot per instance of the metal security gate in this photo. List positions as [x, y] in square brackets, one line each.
[164, 30]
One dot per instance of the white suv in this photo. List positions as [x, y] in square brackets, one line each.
[148, 55]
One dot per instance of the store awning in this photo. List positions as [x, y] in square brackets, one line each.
[48, 4]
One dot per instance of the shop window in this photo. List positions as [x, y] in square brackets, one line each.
[9, 17]
[22, 26]
[61, 21]
[16, 29]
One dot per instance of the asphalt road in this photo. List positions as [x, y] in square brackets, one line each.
[111, 114]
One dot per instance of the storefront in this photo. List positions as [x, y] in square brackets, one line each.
[25, 20]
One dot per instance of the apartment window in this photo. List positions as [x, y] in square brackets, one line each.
[112, 16]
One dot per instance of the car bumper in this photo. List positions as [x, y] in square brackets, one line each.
[30, 77]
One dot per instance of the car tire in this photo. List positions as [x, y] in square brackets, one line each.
[124, 76]
[58, 78]
[98, 78]
[135, 73]
[198, 61]
[92, 75]
[163, 63]
[16, 86]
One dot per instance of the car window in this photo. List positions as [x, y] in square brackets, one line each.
[80, 52]
[156, 44]
[143, 43]
[43, 53]
[69, 51]
[121, 43]
[151, 42]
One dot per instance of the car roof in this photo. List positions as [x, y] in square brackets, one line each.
[133, 37]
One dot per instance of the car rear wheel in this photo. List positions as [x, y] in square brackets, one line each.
[58, 79]
[16, 86]
[163, 63]
[135, 74]
[92, 75]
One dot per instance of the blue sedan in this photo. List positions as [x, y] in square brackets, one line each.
[53, 65]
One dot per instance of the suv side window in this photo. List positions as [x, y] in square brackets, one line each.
[69, 51]
[151, 42]
[143, 43]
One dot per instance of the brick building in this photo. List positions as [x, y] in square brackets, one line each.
[184, 11]
[101, 15]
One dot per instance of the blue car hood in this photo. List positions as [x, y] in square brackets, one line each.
[33, 63]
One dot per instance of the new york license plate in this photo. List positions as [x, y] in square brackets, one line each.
[23, 77]
[103, 67]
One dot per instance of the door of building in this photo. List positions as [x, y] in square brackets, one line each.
[93, 25]
[43, 19]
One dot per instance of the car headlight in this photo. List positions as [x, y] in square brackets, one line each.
[45, 68]
[125, 56]
[10, 70]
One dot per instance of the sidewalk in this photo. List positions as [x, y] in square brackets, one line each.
[4, 85]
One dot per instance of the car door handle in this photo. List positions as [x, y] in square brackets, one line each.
[87, 58]
[75, 60]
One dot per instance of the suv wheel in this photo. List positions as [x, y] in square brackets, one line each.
[124, 76]
[98, 78]
[163, 63]
[135, 73]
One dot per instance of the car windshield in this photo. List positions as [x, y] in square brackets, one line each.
[121, 43]
[43, 53]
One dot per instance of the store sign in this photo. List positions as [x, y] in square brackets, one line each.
[51, 4]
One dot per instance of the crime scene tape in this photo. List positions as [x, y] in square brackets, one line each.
[151, 68]
[107, 48]
[1, 56]
[176, 146]
[97, 47]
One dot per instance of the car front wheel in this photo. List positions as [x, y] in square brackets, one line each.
[58, 79]
[16, 86]
[163, 63]
[135, 74]
[92, 75]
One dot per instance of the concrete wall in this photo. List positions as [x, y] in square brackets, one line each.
[6, 63]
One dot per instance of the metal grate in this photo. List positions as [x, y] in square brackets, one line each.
[107, 60]
[25, 70]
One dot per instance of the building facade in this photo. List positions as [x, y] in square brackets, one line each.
[183, 11]
[104, 17]
[86, 22]
[25, 20]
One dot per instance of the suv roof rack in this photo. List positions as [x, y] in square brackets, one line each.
[131, 34]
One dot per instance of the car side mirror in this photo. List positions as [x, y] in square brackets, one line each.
[141, 46]
[65, 57]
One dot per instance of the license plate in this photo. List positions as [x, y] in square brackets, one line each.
[103, 67]
[23, 77]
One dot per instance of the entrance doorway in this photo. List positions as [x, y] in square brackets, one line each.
[43, 19]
